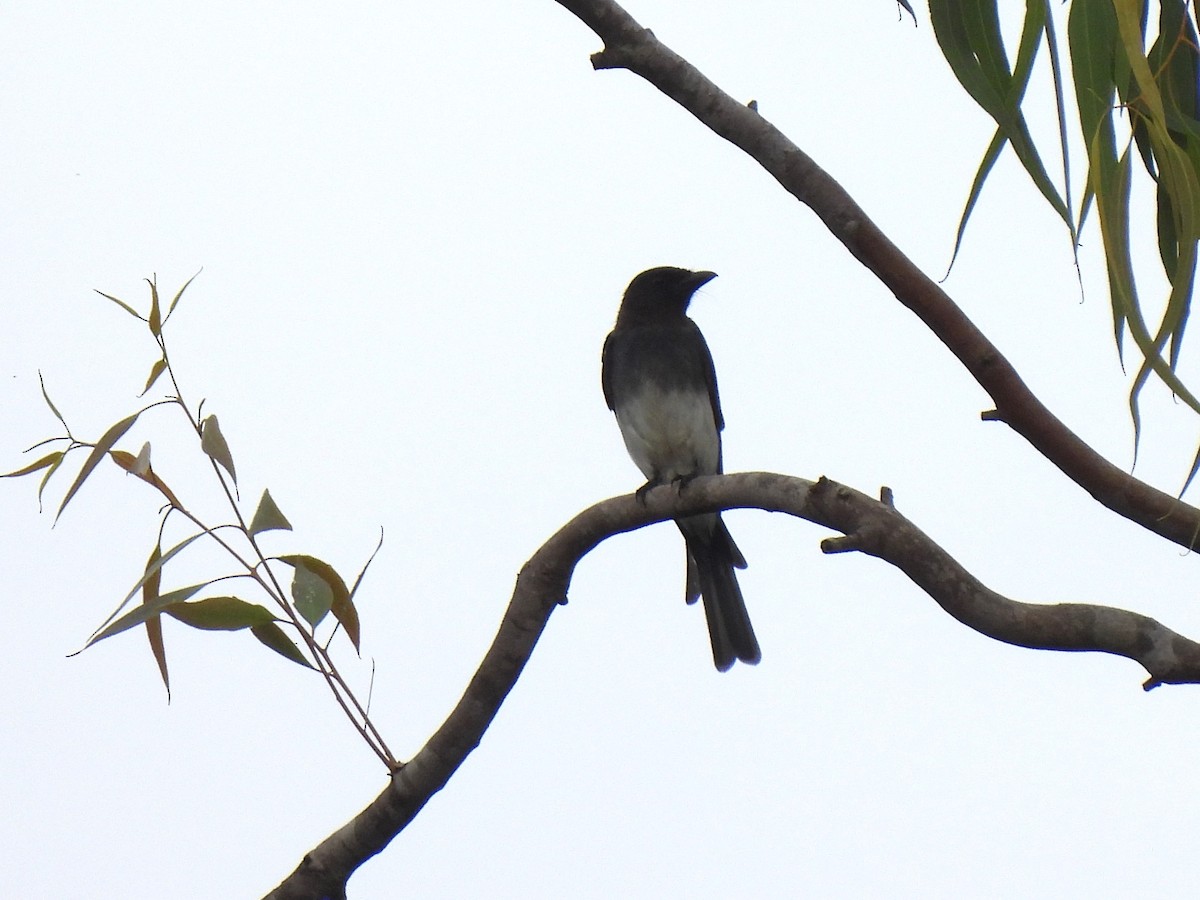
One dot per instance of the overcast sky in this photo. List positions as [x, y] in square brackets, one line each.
[415, 222]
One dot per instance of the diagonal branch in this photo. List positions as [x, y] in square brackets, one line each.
[628, 45]
[867, 525]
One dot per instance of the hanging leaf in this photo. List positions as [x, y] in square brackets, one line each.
[968, 32]
[338, 597]
[1092, 38]
[268, 517]
[152, 568]
[272, 635]
[212, 442]
[311, 594]
[154, 624]
[985, 168]
[1060, 109]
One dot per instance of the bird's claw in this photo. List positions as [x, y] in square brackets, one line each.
[682, 481]
[641, 492]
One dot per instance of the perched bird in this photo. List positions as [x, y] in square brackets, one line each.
[659, 381]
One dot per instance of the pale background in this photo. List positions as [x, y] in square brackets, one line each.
[415, 222]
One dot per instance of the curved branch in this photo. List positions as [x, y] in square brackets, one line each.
[629, 46]
[869, 526]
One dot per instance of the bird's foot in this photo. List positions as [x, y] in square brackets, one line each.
[641, 492]
[682, 481]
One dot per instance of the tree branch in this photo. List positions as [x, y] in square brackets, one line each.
[866, 525]
[869, 526]
[629, 46]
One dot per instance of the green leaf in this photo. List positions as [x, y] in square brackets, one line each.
[1190, 478]
[338, 597]
[272, 635]
[268, 517]
[154, 624]
[985, 167]
[1178, 209]
[968, 32]
[1113, 207]
[367, 565]
[212, 442]
[156, 562]
[101, 447]
[144, 612]
[1060, 108]
[1092, 38]
[156, 370]
[220, 614]
[1037, 17]
[50, 459]
[312, 595]
[1176, 61]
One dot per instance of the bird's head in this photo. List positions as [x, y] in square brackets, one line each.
[661, 293]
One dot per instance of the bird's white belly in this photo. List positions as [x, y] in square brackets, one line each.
[670, 433]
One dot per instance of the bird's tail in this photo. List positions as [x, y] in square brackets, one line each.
[712, 558]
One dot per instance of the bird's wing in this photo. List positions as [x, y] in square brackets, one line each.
[710, 376]
[605, 373]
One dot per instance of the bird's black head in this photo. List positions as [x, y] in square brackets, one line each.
[662, 293]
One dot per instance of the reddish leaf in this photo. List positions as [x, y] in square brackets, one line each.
[130, 464]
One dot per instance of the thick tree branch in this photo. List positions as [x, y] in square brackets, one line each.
[629, 46]
[870, 526]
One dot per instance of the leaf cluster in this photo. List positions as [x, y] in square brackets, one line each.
[293, 622]
[1134, 91]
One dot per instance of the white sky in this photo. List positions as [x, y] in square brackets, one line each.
[415, 222]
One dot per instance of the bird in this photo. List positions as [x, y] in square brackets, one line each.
[659, 380]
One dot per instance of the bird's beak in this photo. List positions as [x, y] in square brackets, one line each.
[702, 278]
